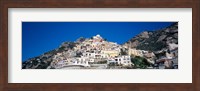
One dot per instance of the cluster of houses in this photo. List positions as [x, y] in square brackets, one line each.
[98, 51]
[168, 58]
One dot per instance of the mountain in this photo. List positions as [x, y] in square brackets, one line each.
[155, 40]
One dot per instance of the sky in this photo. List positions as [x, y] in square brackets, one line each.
[41, 37]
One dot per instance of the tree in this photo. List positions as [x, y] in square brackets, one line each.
[140, 62]
[123, 52]
[79, 54]
[102, 62]
[81, 39]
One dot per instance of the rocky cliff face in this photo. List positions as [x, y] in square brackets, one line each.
[155, 40]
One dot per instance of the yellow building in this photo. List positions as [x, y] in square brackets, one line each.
[111, 53]
[135, 52]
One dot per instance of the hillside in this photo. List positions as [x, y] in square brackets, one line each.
[97, 52]
[155, 40]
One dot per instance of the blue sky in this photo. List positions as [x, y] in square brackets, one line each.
[40, 37]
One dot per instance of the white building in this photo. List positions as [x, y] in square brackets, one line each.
[80, 61]
[95, 55]
[89, 55]
[124, 60]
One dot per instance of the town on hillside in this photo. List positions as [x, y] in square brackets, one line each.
[98, 53]
[148, 50]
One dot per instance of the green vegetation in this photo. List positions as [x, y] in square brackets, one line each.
[112, 64]
[79, 54]
[140, 62]
[102, 62]
[123, 52]
[81, 39]
[151, 46]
